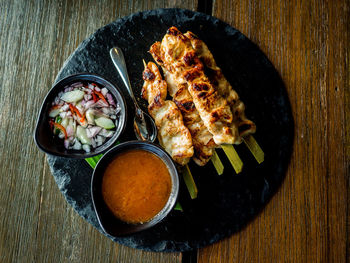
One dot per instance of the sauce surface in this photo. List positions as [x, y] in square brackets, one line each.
[136, 185]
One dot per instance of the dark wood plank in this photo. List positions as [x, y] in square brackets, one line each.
[36, 224]
[307, 220]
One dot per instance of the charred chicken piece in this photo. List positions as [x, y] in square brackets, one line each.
[173, 135]
[202, 139]
[217, 78]
[180, 59]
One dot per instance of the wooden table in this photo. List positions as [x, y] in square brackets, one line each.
[308, 218]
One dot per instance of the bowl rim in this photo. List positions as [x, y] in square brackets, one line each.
[55, 86]
[168, 207]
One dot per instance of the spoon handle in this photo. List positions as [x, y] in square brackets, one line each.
[119, 62]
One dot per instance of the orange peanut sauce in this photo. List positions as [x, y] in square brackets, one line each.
[136, 185]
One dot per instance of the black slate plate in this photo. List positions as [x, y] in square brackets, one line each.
[226, 203]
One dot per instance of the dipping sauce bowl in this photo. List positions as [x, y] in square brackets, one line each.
[109, 221]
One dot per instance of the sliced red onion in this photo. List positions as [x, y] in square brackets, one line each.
[93, 143]
[109, 134]
[70, 130]
[63, 114]
[87, 97]
[103, 132]
[88, 91]
[65, 107]
[104, 91]
[110, 99]
[105, 110]
[95, 130]
[89, 104]
[100, 103]
[66, 144]
[69, 114]
[106, 133]
[77, 145]
[97, 89]
[91, 86]
[99, 140]
[92, 132]
[114, 111]
[77, 119]
[90, 117]
[98, 112]
[86, 148]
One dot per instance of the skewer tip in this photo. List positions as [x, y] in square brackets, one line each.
[189, 181]
[254, 148]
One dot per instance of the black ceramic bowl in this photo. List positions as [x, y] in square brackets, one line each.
[52, 145]
[109, 223]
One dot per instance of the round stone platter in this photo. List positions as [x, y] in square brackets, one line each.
[226, 203]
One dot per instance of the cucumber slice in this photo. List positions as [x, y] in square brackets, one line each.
[82, 136]
[53, 113]
[105, 123]
[65, 122]
[74, 124]
[73, 96]
[90, 117]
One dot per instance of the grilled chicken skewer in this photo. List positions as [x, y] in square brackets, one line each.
[202, 139]
[179, 59]
[217, 78]
[173, 135]
[245, 126]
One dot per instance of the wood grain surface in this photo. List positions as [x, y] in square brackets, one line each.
[308, 218]
[36, 224]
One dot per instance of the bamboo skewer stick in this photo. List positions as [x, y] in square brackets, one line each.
[189, 181]
[217, 163]
[254, 148]
[233, 156]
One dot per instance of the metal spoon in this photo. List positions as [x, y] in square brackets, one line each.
[144, 126]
